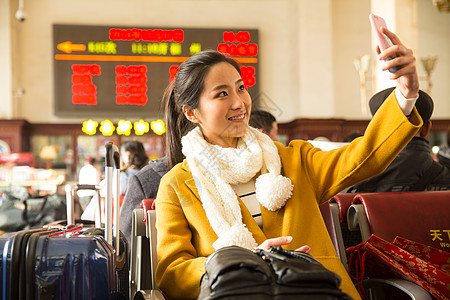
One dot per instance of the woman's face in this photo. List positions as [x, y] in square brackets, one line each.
[273, 133]
[224, 106]
[125, 157]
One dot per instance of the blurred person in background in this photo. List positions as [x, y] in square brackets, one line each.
[352, 136]
[265, 122]
[443, 154]
[142, 185]
[133, 158]
[89, 174]
[414, 169]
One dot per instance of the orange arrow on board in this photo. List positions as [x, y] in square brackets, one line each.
[68, 47]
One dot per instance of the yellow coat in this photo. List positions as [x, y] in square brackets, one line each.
[185, 236]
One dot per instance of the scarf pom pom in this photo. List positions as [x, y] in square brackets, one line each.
[237, 235]
[273, 191]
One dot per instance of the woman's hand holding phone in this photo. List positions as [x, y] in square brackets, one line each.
[400, 57]
[383, 41]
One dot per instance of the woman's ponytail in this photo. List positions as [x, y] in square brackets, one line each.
[177, 125]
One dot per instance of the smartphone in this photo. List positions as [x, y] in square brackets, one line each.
[383, 41]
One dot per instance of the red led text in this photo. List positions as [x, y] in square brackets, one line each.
[155, 35]
[240, 37]
[238, 50]
[131, 84]
[248, 75]
[173, 70]
[84, 91]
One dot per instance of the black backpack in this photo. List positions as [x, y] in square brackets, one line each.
[238, 273]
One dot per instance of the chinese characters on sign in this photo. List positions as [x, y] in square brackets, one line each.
[131, 84]
[83, 89]
[441, 236]
[123, 71]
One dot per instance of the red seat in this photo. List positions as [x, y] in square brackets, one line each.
[418, 216]
[343, 202]
[147, 204]
[143, 253]
[328, 219]
[342, 237]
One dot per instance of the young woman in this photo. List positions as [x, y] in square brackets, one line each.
[134, 158]
[237, 187]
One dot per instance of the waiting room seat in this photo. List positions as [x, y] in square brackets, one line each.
[411, 215]
[342, 202]
[143, 253]
[325, 210]
[339, 205]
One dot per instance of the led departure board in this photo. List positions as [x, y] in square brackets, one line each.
[116, 71]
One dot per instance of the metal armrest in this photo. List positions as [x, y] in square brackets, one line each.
[357, 220]
[149, 295]
[414, 291]
[140, 276]
[151, 235]
[337, 225]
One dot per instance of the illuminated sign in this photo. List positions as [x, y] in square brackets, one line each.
[123, 71]
[141, 127]
[124, 127]
[158, 127]
[90, 127]
[107, 128]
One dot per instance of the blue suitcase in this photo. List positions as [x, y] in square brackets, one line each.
[75, 261]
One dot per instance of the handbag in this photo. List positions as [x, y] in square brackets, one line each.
[25, 212]
[424, 265]
[238, 273]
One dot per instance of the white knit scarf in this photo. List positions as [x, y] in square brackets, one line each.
[214, 168]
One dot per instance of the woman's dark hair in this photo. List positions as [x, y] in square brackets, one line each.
[138, 158]
[185, 90]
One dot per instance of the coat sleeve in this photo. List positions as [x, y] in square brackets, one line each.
[132, 200]
[179, 268]
[330, 172]
[142, 185]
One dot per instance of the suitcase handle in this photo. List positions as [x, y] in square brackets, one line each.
[112, 156]
[70, 203]
[112, 171]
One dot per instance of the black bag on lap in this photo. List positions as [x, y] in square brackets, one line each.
[238, 273]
